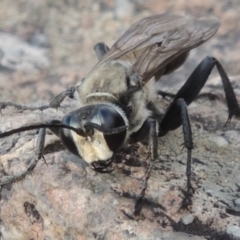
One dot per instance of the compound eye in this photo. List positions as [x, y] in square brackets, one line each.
[110, 119]
[66, 136]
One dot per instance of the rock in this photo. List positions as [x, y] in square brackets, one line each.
[39, 40]
[124, 9]
[233, 230]
[18, 55]
[187, 218]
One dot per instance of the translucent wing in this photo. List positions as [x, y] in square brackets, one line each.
[153, 42]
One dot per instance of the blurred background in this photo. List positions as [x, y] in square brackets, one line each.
[46, 46]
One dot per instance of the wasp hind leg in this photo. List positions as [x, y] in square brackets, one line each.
[192, 87]
[190, 90]
[210, 96]
[176, 114]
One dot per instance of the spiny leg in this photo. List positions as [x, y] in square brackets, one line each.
[150, 127]
[174, 116]
[210, 96]
[166, 94]
[153, 144]
[190, 90]
[233, 106]
[197, 80]
[188, 143]
[33, 163]
[55, 102]
[178, 113]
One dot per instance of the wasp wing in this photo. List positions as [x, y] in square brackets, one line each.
[153, 42]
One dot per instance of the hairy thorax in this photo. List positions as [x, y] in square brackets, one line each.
[108, 84]
[107, 78]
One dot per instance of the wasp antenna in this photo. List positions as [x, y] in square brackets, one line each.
[42, 125]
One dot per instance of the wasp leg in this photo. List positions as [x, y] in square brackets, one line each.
[33, 163]
[165, 94]
[55, 102]
[210, 96]
[176, 114]
[188, 143]
[233, 106]
[101, 49]
[191, 89]
[153, 144]
[178, 111]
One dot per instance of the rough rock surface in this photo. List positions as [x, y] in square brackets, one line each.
[63, 198]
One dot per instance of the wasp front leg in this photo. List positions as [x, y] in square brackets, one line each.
[39, 154]
[152, 129]
[100, 49]
[55, 102]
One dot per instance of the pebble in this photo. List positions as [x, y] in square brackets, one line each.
[234, 230]
[187, 218]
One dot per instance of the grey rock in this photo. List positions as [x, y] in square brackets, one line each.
[187, 218]
[16, 54]
[233, 230]
[124, 9]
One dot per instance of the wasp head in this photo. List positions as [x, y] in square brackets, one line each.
[103, 130]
